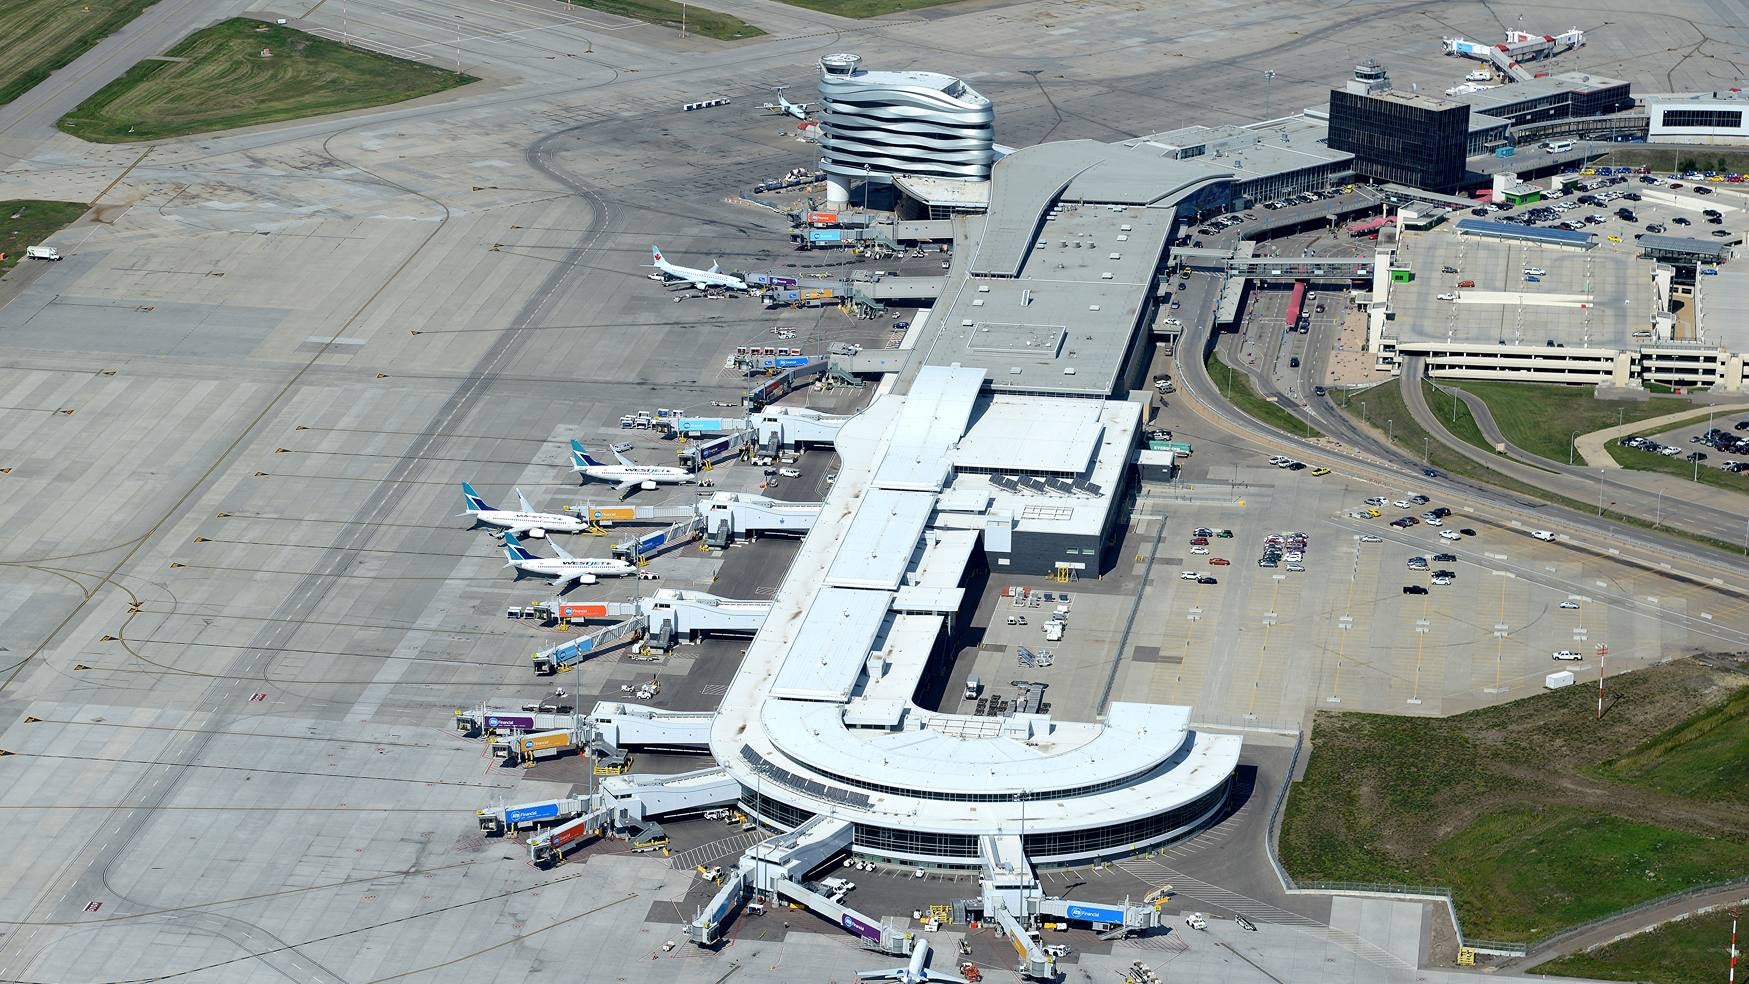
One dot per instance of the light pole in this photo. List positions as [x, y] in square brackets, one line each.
[1572, 445]
[1268, 87]
[1391, 429]
[1601, 474]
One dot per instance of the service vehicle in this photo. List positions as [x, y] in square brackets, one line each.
[1567, 654]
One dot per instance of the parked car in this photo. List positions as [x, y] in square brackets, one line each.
[1569, 605]
[1414, 589]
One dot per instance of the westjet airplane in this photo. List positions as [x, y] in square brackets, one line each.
[627, 474]
[564, 568]
[524, 520]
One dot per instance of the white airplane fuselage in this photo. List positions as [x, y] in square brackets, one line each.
[636, 474]
[576, 568]
[702, 279]
[529, 522]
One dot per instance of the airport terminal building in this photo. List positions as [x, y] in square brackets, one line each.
[1003, 446]
[878, 125]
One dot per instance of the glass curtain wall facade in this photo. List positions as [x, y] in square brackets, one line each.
[1408, 141]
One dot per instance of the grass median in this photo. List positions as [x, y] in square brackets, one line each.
[1519, 809]
[242, 72]
[1542, 418]
[1682, 952]
[40, 37]
[26, 223]
[671, 13]
[1236, 387]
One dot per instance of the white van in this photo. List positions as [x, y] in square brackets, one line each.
[1545, 535]
[973, 687]
[1558, 146]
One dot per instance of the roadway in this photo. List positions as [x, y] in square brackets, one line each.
[1353, 449]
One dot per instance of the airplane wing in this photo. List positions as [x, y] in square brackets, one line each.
[934, 976]
[890, 974]
[627, 485]
[627, 462]
[714, 267]
[561, 551]
[524, 500]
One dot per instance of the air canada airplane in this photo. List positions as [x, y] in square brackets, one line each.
[525, 520]
[564, 568]
[702, 279]
[626, 475]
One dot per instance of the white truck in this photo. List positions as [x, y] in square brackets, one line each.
[42, 253]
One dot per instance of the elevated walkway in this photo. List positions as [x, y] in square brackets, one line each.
[666, 618]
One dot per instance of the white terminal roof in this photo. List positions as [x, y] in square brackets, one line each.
[881, 539]
[821, 712]
[831, 643]
[1055, 436]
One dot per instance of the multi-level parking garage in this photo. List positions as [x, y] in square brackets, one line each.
[875, 125]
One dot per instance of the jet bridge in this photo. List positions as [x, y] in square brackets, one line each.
[731, 514]
[1013, 897]
[599, 517]
[665, 619]
[618, 725]
[776, 868]
[639, 550]
[796, 426]
[487, 719]
[627, 806]
[499, 819]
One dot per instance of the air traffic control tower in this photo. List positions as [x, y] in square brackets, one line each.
[876, 125]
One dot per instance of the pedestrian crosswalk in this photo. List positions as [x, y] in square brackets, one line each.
[715, 850]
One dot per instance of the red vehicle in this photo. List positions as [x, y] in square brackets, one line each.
[1219, 562]
[1199, 541]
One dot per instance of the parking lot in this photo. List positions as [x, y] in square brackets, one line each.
[1727, 448]
[1265, 647]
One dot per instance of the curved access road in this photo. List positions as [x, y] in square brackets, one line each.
[1353, 451]
[1619, 490]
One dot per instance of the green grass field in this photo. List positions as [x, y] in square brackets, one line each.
[1695, 949]
[864, 8]
[1236, 387]
[1456, 416]
[225, 83]
[1703, 758]
[1514, 808]
[27, 223]
[707, 23]
[1542, 418]
[38, 37]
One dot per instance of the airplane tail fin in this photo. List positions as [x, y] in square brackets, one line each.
[580, 458]
[475, 503]
[514, 550]
[656, 256]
